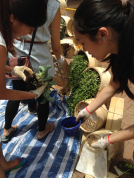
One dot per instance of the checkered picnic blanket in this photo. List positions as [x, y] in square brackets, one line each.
[53, 157]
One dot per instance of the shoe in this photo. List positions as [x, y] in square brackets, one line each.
[125, 167]
[32, 111]
[7, 138]
[21, 162]
[50, 127]
[23, 102]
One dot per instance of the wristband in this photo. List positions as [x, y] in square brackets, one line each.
[61, 59]
[109, 141]
[88, 111]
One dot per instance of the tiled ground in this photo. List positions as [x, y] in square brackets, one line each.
[126, 149]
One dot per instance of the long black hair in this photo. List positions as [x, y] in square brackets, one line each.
[94, 14]
[30, 12]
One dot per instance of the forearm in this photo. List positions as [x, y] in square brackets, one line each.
[123, 135]
[8, 69]
[102, 98]
[8, 94]
[55, 34]
[57, 52]
[2, 174]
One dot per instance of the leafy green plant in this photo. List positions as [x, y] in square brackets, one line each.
[62, 31]
[87, 88]
[36, 80]
[42, 77]
[76, 67]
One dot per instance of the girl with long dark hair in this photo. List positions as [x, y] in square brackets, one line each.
[40, 55]
[17, 18]
[103, 27]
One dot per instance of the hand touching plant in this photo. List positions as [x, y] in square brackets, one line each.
[39, 90]
[43, 81]
[19, 71]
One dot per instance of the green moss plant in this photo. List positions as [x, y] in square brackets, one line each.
[76, 67]
[62, 31]
[87, 87]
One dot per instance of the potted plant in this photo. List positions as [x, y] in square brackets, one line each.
[92, 62]
[67, 27]
[36, 80]
[76, 67]
[63, 29]
[85, 86]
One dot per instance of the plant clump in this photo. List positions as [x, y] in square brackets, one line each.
[62, 31]
[76, 67]
[87, 87]
[36, 80]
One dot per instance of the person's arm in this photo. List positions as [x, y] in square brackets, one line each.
[122, 135]
[104, 95]
[55, 34]
[2, 174]
[8, 94]
[8, 69]
[102, 98]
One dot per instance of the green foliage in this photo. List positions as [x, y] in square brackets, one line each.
[62, 31]
[47, 92]
[87, 88]
[76, 67]
[42, 77]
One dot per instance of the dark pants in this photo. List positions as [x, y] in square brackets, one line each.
[12, 107]
[31, 103]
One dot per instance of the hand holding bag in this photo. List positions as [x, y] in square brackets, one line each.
[21, 60]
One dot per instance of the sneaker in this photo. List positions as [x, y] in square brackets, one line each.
[23, 102]
[32, 111]
[125, 167]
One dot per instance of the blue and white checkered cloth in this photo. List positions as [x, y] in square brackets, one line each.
[53, 157]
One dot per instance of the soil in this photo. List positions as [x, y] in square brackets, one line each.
[70, 125]
[31, 81]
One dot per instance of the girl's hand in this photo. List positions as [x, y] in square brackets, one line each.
[39, 90]
[19, 71]
[85, 114]
[60, 60]
[100, 143]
